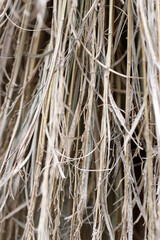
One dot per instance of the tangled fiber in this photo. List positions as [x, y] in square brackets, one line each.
[79, 119]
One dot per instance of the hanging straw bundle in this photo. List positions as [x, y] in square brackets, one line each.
[79, 119]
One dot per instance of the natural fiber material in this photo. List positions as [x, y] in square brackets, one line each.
[79, 119]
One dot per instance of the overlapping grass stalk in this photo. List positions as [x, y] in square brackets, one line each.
[79, 119]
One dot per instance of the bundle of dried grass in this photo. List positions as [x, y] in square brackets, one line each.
[80, 113]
